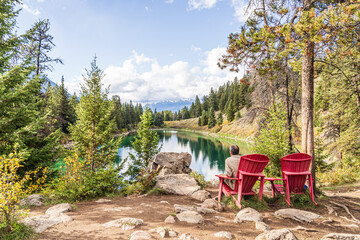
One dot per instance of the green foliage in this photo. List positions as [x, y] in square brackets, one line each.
[341, 173]
[272, 139]
[211, 118]
[143, 184]
[252, 202]
[93, 131]
[20, 232]
[156, 191]
[13, 188]
[146, 145]
[230, 110]
[89, 185]
[200, 179]
[219, 119]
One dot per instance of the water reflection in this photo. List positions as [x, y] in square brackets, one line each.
[208, 154]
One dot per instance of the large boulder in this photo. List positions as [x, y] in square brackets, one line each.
[53, 216]
[140, 235]
[181, 184]
[170, 163]
[213, 204]
[201, 195]
[190, 217]
[298, 215]
[248, 214]
[33, 200]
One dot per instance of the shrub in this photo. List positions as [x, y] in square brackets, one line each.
[144, 183]
[12, 189]
[199, 179]
[77, 182]
[273, 139]
[340, 174]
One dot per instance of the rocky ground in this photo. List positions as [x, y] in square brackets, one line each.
[340, 213]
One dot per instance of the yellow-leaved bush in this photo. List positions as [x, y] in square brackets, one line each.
[13, 187]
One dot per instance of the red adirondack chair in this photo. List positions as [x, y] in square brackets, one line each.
[250, 170]
[295, 171]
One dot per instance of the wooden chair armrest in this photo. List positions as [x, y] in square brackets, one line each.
[226, 177]
[252, 174]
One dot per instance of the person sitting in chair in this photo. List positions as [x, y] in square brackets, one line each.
[232, 165]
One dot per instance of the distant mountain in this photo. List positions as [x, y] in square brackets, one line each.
[170, 105]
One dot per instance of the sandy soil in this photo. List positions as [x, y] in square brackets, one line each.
[88, 218]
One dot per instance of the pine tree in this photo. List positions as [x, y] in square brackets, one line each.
[219, 119]
[39, 44]
[204, 118]
[22, 120]
[146, 145]
[198, 108]
[230, 111]
[93, 131]
[211, 118]
[65, 109]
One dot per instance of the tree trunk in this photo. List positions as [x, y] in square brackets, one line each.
[307, 105]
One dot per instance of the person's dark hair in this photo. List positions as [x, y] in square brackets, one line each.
[234, 150]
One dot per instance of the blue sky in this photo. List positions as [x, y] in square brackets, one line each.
[149, 50]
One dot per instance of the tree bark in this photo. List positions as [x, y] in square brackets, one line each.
[307, 105]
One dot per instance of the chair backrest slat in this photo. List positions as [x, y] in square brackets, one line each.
[252, 163]
[296, 162]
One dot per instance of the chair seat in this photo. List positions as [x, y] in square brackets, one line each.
[232, 192]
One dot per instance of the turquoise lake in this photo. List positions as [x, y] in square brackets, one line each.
[208, 154]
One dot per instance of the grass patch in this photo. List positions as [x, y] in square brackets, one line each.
[156, 191]
[250, 201]
[200, 179]
[19, 232]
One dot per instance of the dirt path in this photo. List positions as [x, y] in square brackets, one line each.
[88, 218]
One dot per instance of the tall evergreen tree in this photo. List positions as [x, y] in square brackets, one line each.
[211, 118]
[65, 109]
[22, 119]
[146, 144]
[198, 108]
[39, 44]
[93, 131]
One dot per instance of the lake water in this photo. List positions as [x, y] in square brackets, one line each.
[208, 154]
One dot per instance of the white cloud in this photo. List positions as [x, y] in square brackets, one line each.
[28, 9]
[201, 4]
[169, 1]
[146, 9]
[195, 49]
[240, 7]
[175, 81]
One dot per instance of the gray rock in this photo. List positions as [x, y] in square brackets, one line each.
[42, 222]
[33, 200]
[248, 214]
[262, 226]
[181, 184]
[201, 195]
[298, 215]
[161, 231]
[187, 236]
[170, 163]
[190, 217]
[341, 236]
[206, 210]
[170, 219]
[164, 202]
[124, 223]
[172, 233]
[59, 208]
[182, 208]
[140, 235]
[279, 234]
[224, 234]
[212, 204]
